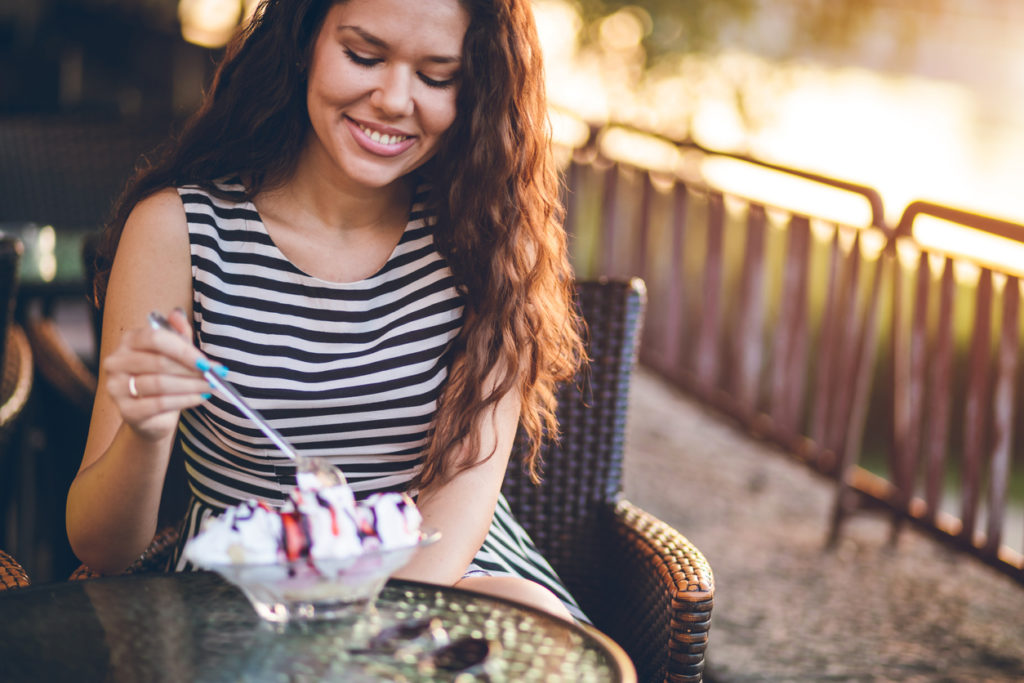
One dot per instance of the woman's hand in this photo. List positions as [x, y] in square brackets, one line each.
[151, 376]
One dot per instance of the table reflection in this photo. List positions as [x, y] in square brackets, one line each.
[195, 626]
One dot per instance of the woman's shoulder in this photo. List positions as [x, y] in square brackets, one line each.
[155, 232]
[159, 218]
[157, 208]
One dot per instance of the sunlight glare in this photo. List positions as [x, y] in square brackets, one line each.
[574, 81]
[905, 137]
[982, 248]
[766, 186]
[623, 31]
[568, 130]
[209, 23]
[638, 149]
[717, 125]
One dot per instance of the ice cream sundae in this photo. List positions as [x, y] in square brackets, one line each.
[322, 549]
[317, 525]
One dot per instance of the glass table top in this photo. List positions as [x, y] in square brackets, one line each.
[195, 626]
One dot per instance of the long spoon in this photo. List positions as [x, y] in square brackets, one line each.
[327, 475]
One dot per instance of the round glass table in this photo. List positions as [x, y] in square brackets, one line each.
[194, 626]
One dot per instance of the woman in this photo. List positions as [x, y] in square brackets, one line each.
[361, 224]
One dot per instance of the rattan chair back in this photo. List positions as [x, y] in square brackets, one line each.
[641, 581]
[582, 472]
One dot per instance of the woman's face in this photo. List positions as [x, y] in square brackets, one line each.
[382, 84]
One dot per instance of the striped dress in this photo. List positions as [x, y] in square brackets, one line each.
[349, 372]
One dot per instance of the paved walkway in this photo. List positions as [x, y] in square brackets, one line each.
[786, 609]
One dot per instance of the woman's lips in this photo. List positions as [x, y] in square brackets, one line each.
[382, 141]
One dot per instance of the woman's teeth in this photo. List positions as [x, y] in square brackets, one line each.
[383, 139]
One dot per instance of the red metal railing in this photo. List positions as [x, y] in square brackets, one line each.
[800, 329]
[955, 389]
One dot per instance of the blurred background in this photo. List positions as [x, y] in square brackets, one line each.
[752, 161]
[923, 99]
[917, 99]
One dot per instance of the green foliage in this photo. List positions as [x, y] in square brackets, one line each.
[676, 25]
[821, 28]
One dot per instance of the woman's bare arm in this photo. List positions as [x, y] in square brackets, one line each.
[113, 501]
[462, 508]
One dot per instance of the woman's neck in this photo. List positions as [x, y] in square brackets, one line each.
[313, 197]
[331, 230]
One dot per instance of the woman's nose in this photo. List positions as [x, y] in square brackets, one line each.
[393, 95]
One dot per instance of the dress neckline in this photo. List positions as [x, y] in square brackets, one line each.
[262, 226]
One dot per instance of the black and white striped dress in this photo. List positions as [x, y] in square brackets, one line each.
[349, 372]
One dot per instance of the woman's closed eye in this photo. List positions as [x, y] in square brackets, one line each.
[435, 83]
[361, 60]
[370, 62]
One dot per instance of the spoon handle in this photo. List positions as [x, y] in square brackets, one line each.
[157, 321]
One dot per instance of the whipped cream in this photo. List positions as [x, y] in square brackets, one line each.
[320, 525]
[389, 520]
[247, 533]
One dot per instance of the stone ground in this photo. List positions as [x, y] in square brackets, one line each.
[787, 609]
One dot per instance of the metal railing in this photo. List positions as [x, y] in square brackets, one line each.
[955, 381]
[799, 327]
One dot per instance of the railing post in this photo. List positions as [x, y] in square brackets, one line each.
[1002, 414]
[940, 397]
[675, 319]
[976, 412]
[708, 340]
[790, 343]
[749, 349]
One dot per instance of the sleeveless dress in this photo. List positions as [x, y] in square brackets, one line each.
[349, 372]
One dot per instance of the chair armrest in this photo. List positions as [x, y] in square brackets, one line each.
[660, 610]
[12, 574]
[153, 559]
[16, 378]
[60, 365]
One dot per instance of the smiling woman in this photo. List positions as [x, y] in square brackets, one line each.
[382, 87]
[362, 223]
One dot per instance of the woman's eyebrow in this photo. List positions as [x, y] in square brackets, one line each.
[366, 35]
[384, 45]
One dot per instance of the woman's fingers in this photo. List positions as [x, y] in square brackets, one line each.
[179, 321]
[156, 417]
[146, 407]
[135, 362]
[157, 351]
[147, 385]
[173, 346]
[153, 374]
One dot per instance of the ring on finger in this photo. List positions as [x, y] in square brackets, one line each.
[133, 390]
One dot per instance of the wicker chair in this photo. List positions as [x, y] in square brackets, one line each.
[16, 383]
[12, 574]
[15, 388]
[641, 582]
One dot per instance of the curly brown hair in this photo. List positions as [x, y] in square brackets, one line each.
[494, 192]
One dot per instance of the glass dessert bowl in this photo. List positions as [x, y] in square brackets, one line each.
[321, 556]
[341, 588]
